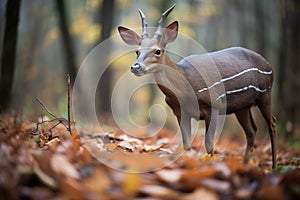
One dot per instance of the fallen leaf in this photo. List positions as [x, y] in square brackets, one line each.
[72, 189]
[208, 156]
[272, 193]
[149, 148]
[99, 182]
[130, 139]
[85, 156]
[136, 162]
[126, 145]
[62, 166]
[163, 141]
[111, 146]
[159, 192]
[76, 145]
[131, 183]
[199, 173]
[169, 176]
[49, 181]
[201, 193]
[216, 185]
[223, 169]
[52, 144]
[169, 151]
[243, 193]
[36, 193]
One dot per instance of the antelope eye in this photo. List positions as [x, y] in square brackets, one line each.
[158, 52]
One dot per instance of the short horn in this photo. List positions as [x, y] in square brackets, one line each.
[144, 25]
[158, 33]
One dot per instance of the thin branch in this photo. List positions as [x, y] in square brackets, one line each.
[45, 108]
[59, 119]
[65, 122]
[69, 99]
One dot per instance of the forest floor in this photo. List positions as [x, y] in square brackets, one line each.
[47, 162]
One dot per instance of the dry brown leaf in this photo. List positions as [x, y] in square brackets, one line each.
[201, 193]
[111, 146]
[99, 182]
[126, 145]
[55, 133]
[169, 176]
[208, 157]
[74, 135]
[193, 178]
[223, 169]
[131, 183]
[159, 192]
[233, 164]
[45, 178]
[272, 193]
[42, 166]
[199, 173]
[72, 189]
[62, 166]
[52, 144]
[189, 163]
[149, 148]
[136, 162]
[216, 185]
[166, 151]
[85, 156]
[243, 193]
[36, 193]
[163, 141]
[76, 145]
[130, 139]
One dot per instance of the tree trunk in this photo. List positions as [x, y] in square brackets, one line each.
[106, 20]
[70, 58]
[260, 29]
[289, 72]
[9, 52]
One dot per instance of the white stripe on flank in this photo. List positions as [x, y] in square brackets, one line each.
[241, 90]
[234, 76]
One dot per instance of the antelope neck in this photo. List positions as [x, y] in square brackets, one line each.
[170, 75]
[167, 62]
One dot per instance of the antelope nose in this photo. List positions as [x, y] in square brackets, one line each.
[136, 68]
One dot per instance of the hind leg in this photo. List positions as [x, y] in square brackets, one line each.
[264, 105]
[245, 118]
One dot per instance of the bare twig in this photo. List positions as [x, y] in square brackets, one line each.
[45, 108]
[65, 122]
[69, 99]
[59, 119]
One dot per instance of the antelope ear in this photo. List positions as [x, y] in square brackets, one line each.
[129, 36]
[171, 32]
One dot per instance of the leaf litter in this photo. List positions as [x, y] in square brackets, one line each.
[57, 165]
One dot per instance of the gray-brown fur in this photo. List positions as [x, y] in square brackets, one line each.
[222, 82]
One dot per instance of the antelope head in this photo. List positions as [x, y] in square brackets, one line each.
[151, 53]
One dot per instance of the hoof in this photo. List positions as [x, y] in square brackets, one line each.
[208, 156]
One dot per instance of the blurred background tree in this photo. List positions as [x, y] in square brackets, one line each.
[106, 20]
[54, 37]
[70, 57]
[10, 23]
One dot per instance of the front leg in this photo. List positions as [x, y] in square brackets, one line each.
[211, 121]
[185, 128]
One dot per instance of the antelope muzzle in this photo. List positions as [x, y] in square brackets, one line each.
[137, 69]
